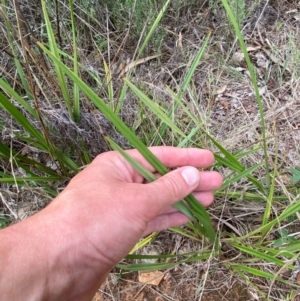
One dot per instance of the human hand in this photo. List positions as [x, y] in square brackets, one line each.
[107, 208]
[116, 208]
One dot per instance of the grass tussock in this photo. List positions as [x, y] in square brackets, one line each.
[79, 78]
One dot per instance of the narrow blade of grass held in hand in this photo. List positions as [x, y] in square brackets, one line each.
[154, 107]
[197, 208]
[146, 174]
[231, 161]
[228, 163]
[185, 232]
[189, 137]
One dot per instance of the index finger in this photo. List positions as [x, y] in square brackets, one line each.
[173, 157]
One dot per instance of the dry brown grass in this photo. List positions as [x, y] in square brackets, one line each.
[221, 96]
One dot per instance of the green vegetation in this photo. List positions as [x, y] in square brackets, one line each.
[4, 220]
[81, 78]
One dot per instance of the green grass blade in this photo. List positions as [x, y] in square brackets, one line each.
[121, 99]
[54, 51]
[6, 153]
[259, 255]
[241, 154]
[9, 90]
[254, 83]
[185, 232]
[153, 27]
[247, 196]
[109, 84]
[76, 99]
[239, 176]
[269, 203]
[184, 86]
[289, 211]
[162, 266]
[193, 67]
[145, 241]
[154, 107]
[40, 140]
[290, 249]
[143, 46]
[11, 179]
[188, 138]
[233, 166]
[270, 200]
[148, 175]
[16, 114]
[262, 274]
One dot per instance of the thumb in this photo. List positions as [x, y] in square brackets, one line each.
[172, 187]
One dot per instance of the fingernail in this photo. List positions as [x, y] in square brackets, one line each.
[191, 176]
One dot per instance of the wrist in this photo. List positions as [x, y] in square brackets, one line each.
[39, 264]
[28, 263]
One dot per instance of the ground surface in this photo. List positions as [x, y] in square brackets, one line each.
[229, 106]
[222, 97]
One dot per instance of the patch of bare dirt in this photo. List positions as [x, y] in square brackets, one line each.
[172, 288]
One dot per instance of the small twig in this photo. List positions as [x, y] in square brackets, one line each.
[136, 63]
[10, 210]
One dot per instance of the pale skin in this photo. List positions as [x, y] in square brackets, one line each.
[66, 251]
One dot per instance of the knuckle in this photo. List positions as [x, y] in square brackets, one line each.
[172, 186]
[105, 156]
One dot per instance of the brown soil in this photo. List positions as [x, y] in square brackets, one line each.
[171, 288]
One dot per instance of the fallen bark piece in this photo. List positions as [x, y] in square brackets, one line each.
[153, 278]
